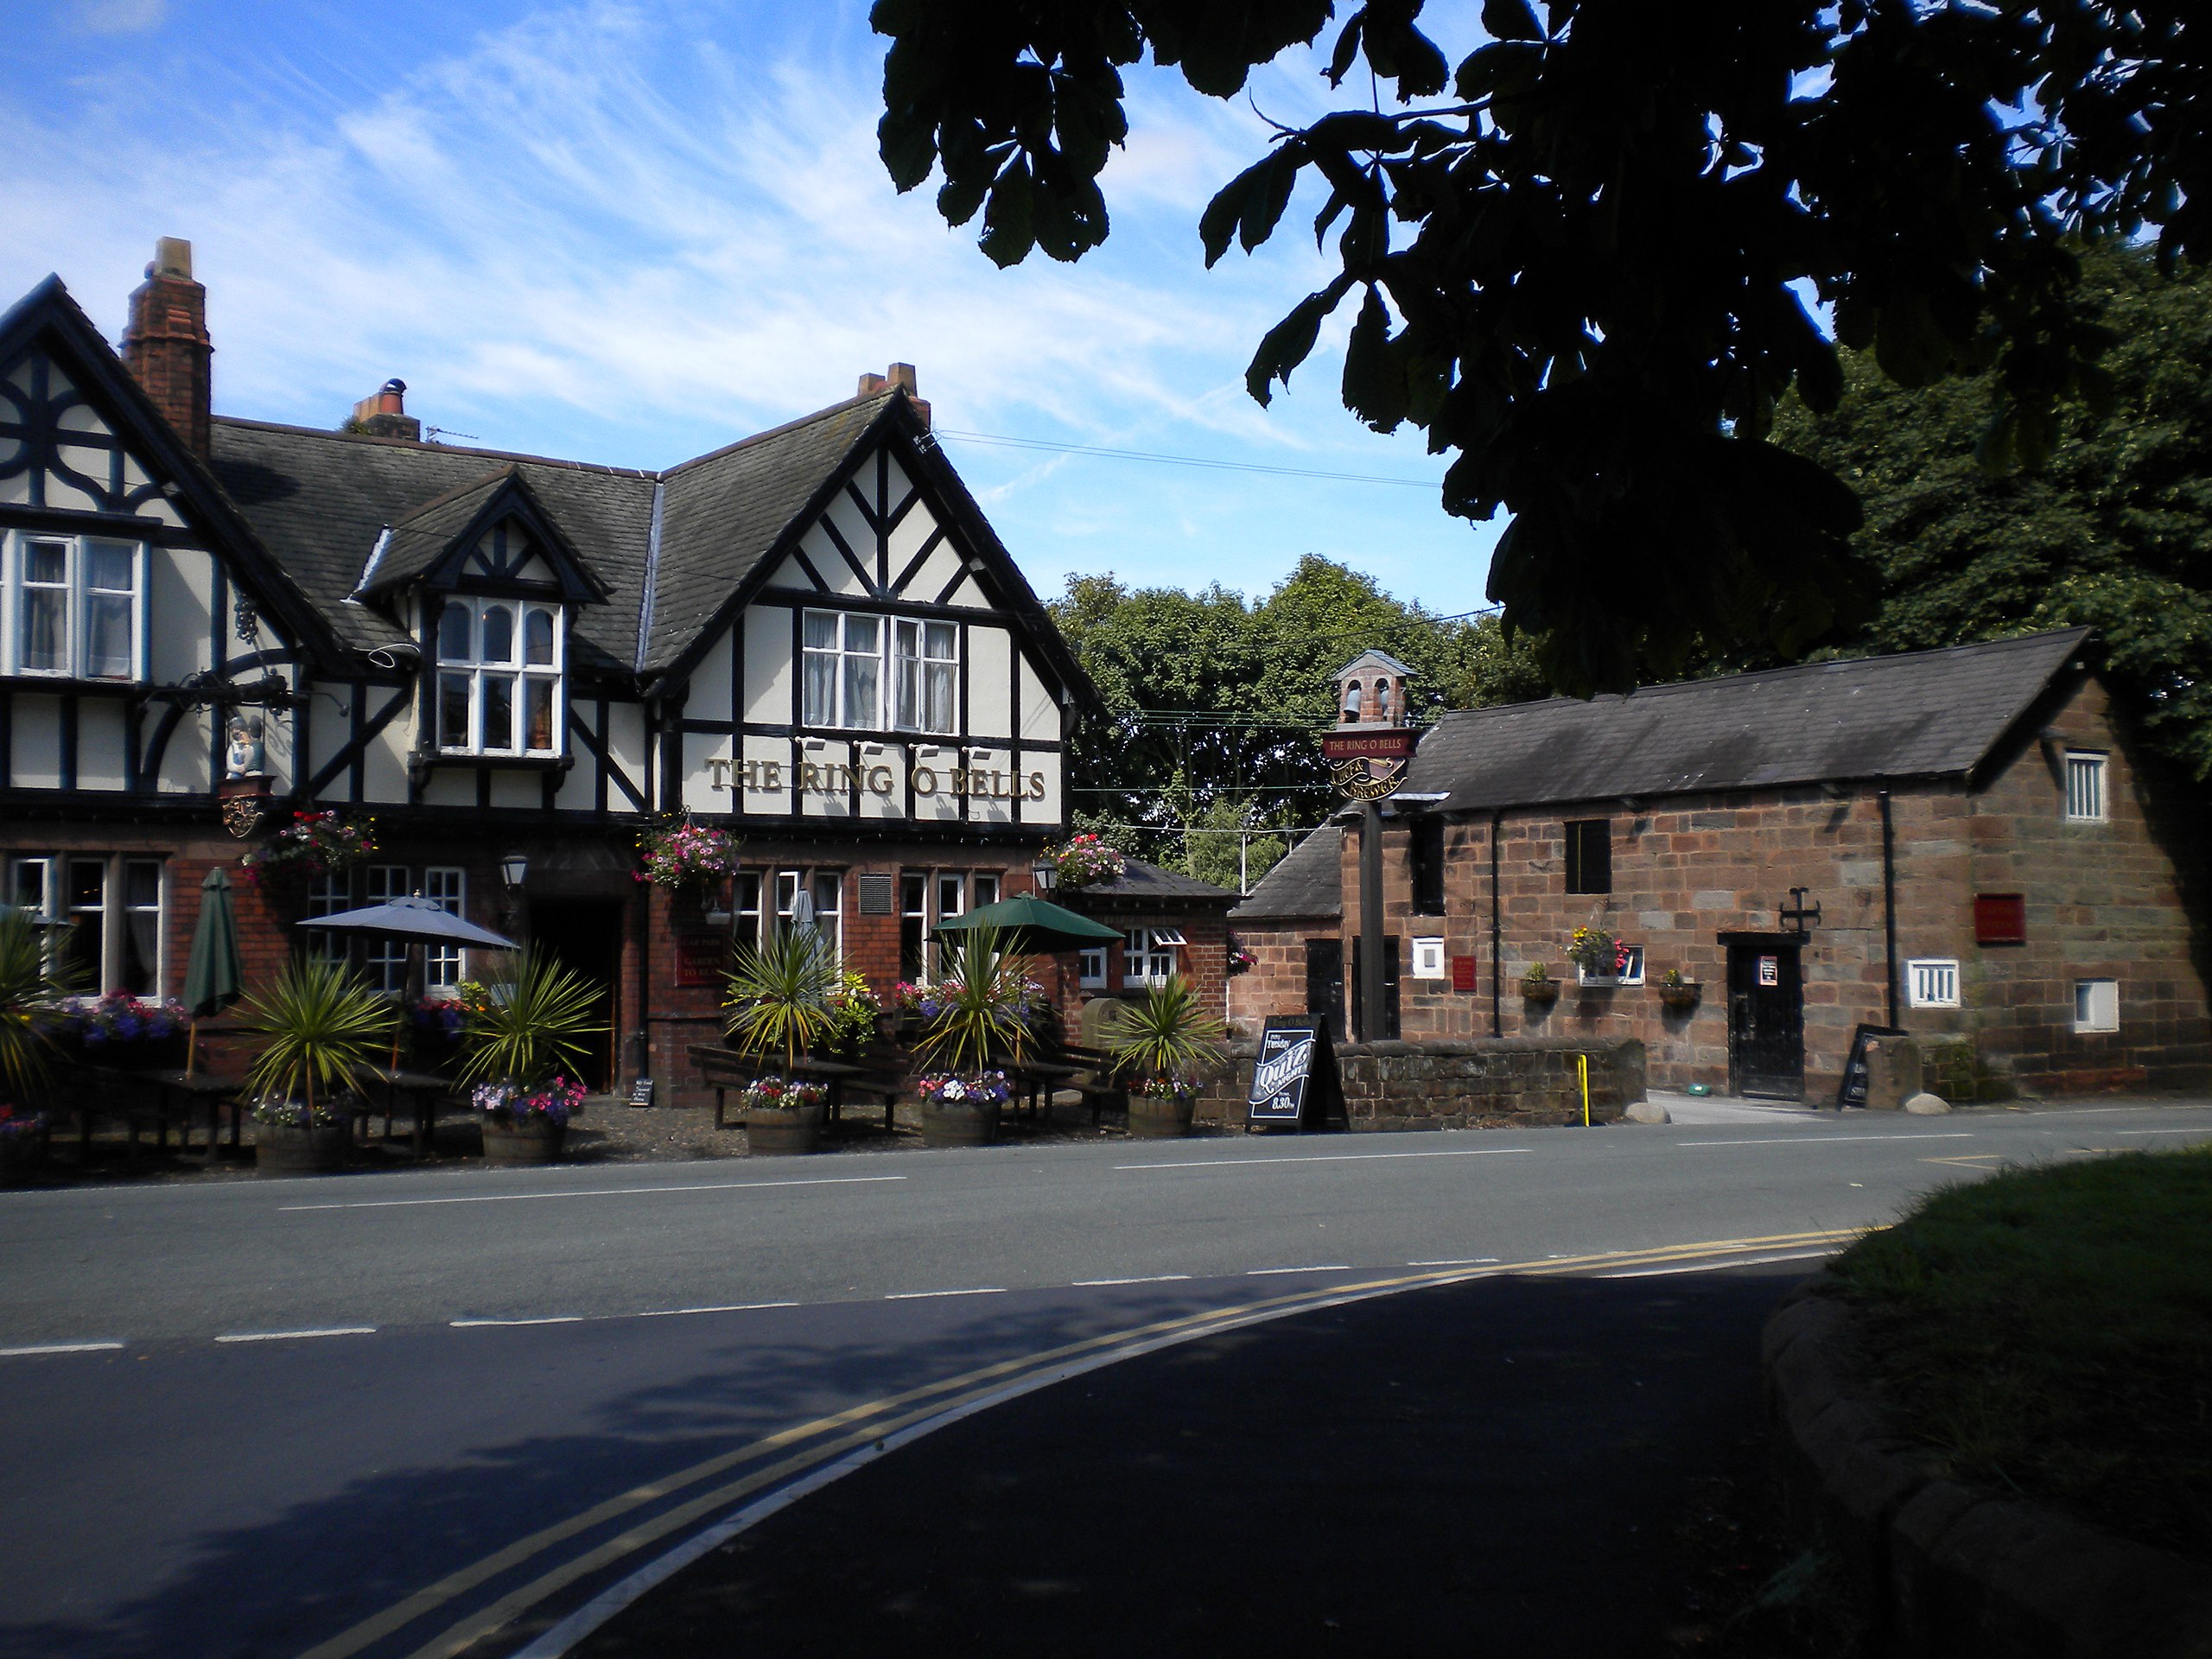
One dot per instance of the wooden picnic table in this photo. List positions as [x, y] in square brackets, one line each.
[114, 1088]
[423, 1091]
[725, 1069]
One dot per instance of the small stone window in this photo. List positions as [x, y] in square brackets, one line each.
[1932, 983]
[1425, 852]
[1589, 856]
[2085, 788]
[2096, 1005]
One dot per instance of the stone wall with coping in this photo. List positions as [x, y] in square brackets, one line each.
[1509, 1082]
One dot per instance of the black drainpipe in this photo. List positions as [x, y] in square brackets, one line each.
[1889, 905]
[1496, 960]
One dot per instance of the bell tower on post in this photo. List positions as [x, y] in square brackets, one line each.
[1370, 742]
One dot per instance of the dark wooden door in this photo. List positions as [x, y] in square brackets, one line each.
[1766, 1020]
[585, 935]
[1390, 1032]
[1325, 983]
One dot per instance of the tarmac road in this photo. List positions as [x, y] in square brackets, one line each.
[399, 1414]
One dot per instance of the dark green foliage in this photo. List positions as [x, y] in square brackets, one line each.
[2050, 1331]
[533, 1025]
[1213, 704]
[1578, 268]
[2114, 528]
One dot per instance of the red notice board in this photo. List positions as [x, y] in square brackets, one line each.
[2000, 918]
[701, 958]
[1463, 974]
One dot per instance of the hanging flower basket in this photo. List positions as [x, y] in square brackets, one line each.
[1085, 860]
[1538, 987]
[690, 860]
[1677, 992]
[314, 845]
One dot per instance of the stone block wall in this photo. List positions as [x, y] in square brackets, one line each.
[1481, 1084]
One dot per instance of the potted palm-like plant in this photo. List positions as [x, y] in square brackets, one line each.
[28, 986]
[1169, 1043]
[320, 1024]
[782, 999]
[522, 1042]
[977, 1030]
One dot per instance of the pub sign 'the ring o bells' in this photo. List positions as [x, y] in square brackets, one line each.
[1368, 766]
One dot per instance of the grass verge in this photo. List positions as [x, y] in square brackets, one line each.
[2048, 1331]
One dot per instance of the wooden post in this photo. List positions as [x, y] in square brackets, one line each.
[1372, 1012]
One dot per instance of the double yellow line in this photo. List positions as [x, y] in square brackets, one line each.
[793, 1452]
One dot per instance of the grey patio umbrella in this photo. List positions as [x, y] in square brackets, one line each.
[415, 921]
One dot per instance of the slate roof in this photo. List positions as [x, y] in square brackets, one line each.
[420, 538]
[1308, 883]
[1924, 713]
[1140, 883]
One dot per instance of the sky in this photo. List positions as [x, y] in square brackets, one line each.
[633, 232]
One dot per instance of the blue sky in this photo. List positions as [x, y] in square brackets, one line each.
[633, 232]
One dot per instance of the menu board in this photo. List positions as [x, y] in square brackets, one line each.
[1854, 1089]
[1294, 1075]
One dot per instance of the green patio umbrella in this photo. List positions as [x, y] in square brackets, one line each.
[1033, 926]
[214, 979]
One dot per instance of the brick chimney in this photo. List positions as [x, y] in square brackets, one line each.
[383, 414]
[166, 344]
[901, 379]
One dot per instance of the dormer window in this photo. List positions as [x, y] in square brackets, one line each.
[75, 611]
[499, 664]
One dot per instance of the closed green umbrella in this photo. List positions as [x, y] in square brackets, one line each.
[1033, 925]
[214, 978]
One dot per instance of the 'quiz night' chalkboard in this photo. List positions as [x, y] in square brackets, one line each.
[1852, 1091]
[1294, 1075]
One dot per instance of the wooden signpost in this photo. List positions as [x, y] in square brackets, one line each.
[1294, 1079]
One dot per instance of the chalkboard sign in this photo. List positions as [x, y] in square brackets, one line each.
[1294, 1075]
[1852, 1090]
[641, 1092]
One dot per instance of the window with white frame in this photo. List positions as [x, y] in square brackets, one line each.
[843, 678]
[75, 609]
[328, 895]
[745, 907]
[385, 960]
[1148, 957]
[825, 891]
[499, 665]
[1630, 970]
[1931, 983]
[441, 964]
[2096, 1005]
[925, 671]
[114, 907]
[2085, 788]
[1090, 967]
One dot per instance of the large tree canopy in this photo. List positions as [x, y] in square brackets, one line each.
[2115, 530]
[1578, 258]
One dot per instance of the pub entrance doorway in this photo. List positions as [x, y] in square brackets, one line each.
[585, 935]
[1766, 1016]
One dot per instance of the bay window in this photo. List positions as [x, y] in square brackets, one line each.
[499, 686]
[75, 609]
[113, 906]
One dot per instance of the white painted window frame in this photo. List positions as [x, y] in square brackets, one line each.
[2096, 1006]
[516, 668]
[76, 605]
[444, 966]
[2088, 797]
[1931, 983]
[1428, 958]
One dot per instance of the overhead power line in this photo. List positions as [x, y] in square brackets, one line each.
[1182, 461]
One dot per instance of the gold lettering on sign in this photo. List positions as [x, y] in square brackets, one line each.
[838, 777]
[809, 775]
[879, 781]
[925, 780]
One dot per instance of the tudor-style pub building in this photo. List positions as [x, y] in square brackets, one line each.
[511, 664]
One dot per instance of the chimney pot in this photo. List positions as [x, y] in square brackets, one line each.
[166, 346]
[383, 414]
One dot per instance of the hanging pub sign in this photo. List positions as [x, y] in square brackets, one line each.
[1294, 1075]
[1369, 764]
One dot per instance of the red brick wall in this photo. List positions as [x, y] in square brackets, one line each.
[1275, 984]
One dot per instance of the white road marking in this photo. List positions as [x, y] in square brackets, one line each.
[591, 1193]
[1816, 1139]
[294, 1335]
[550, 1319]
[918, 1295]
[1457, 1261]
[1715, 1266]
[734, 1307]
[1148, 1279]
[1325, 1267]
[2201, 1128]
[59, 1348]
[1325, 1157]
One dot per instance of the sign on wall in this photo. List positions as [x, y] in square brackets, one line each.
[1294, 1075]
[701, 958]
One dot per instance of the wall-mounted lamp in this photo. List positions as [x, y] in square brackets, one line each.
[1045, 873]
[514, 870]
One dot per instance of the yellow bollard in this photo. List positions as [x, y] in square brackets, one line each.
[1582, 1069]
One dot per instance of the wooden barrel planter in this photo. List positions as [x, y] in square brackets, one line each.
[21, 1154]
[959, 1123]
[524, 1143]
[299, 1149]
[783, 1131]
[1152, 1118]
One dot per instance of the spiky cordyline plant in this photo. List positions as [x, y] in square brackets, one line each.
[530, 1024]
[1165, 1034]
[320, 1023]
[28, 981]
[978, 1010]
[779, 996]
